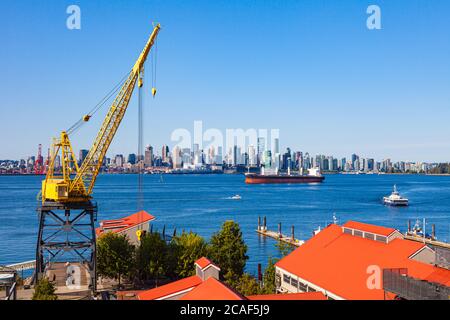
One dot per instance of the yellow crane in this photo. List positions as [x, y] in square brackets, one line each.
[77, 182]
[67, 213]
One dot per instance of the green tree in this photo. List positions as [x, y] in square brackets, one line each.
[44, 290]
[186, 249]
[284, 248]
[269, 286]
[152, 257]
[115, 256]
[247, 285]
[228, 250]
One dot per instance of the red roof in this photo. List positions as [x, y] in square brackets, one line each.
[212, 289]
[290, 296]
[205, 262]
[339, 262]
[119, 225]
[173, 288]
[384, 231]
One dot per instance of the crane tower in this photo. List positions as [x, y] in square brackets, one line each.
[67, 211]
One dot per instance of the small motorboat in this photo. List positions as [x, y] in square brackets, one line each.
[395, 199]
[236, 197]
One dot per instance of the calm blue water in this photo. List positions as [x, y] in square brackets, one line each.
[201, 203]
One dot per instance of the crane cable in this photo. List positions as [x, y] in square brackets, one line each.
[141, 157]
[140, 197]
[77, 125]
[154, 60]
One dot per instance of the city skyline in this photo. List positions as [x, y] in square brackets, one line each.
[282, 147]
[325, 80]
[263, 154]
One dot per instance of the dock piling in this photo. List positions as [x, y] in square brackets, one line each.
[259, 272]
[289, 239]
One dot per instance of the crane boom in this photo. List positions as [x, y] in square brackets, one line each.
[65, 189]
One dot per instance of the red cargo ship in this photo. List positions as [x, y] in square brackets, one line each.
[314, 176]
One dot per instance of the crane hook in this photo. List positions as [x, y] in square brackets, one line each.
[153, 92]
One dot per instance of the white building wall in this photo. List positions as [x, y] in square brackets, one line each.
[288, 287]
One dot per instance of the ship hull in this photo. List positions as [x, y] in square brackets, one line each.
[275, 179]
[401, 203]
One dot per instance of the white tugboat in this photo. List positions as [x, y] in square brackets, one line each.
[395, 199]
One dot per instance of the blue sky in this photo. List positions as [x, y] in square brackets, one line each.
[310, 68]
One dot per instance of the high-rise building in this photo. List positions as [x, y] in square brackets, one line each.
[298, 160]
[355, 158]
[343, 163]
[244, 158]
[362, 164]
[176, 157]
[186, 157]
[307, 161]
[31, 160]
[211, 158]
[348, 166]
[277, 161]
[196, 148]
[335, 165]
[261, 147]
[235, 155]
[148, 156]
[165, 154]
[356, 165]
[82, 155]
[276, 145]
[157, 161]
[267, 159]
[325, 165]
[377, 166]
[131, 158]
[286, 159]
[119, 161]
[387, 165]
[331, 163]
[370, 164]
[252, 158]
[219, 156]
[198, 158]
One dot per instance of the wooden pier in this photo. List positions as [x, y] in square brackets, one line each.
[434, 243]
[431, 241]
[262, 230]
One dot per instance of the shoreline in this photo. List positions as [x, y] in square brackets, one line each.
[240, 173]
